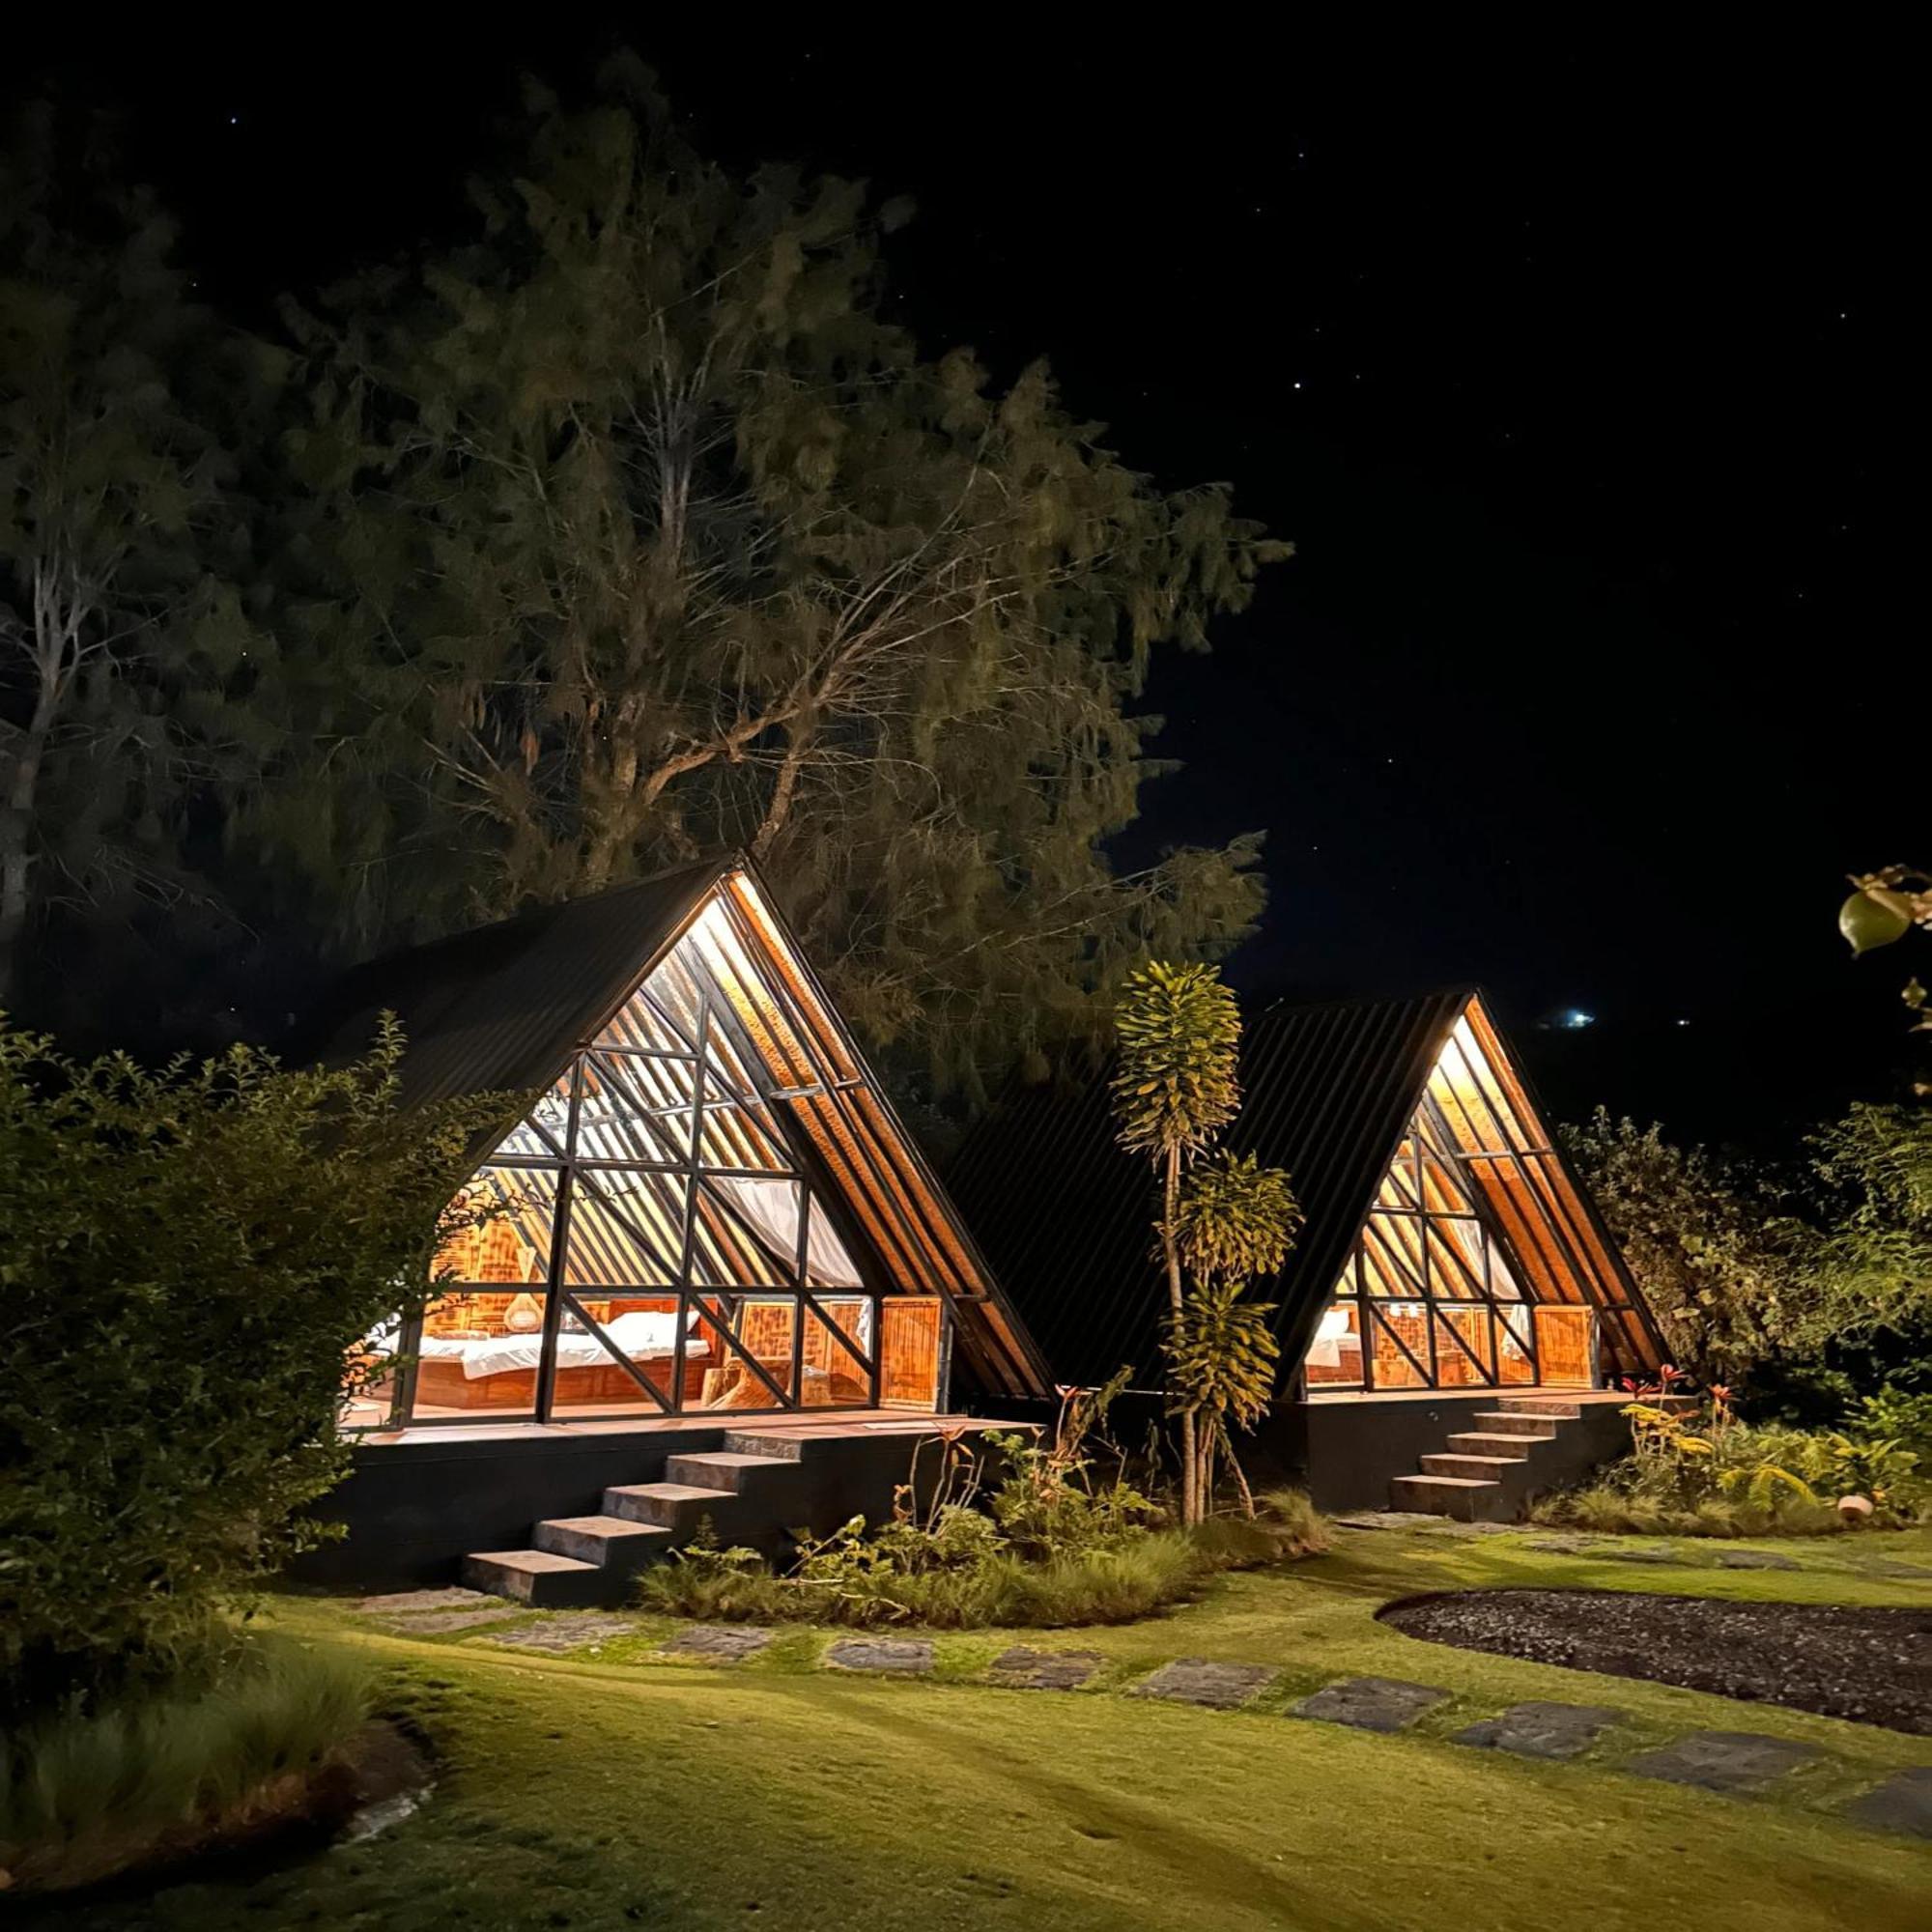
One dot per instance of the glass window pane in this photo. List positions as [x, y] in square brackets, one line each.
[642, 1027]
[764, 1330]
[1335, 1354]
[626, 1229]
[544, 1132]
[635, 1109]
[597, 1334]
[1399, 1342]
[478, 1355]
[504, 1216]
[1462, 1344]
[1516, 1360]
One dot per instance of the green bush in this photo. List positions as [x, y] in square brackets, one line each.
[189, 1255]
[86, 1790]
[1610, 1510]
[959, 1571]
[1896, 1415]
[856, 1580]
[1722, 1477]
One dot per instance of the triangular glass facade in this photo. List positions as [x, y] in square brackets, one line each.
[664, 1232]
[1478, 1264]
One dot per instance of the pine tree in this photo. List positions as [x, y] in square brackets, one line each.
[639, 535]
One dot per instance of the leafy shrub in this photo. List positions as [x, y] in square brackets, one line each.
[1055, 1543]
[853, 1578]
[189, 1255]
[86, 1790]
[1717, 1476]
[1896, 1415]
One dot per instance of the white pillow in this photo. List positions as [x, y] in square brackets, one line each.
[643, 1332]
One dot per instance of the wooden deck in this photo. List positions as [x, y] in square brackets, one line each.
[791, 1424]
[1463, 1392]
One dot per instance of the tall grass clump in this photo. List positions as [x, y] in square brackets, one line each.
[88, 1789]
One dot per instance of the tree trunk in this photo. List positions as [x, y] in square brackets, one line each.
[16, 828]
[1190, 1466]
[797, 741]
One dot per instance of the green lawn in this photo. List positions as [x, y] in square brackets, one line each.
[615, 1791]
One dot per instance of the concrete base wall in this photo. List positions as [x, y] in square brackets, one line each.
[414, 1510]
[1347, 1453]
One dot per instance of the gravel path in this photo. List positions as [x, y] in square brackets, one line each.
[1874, 1667]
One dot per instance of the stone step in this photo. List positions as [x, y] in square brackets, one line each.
[1553, 1406]
[672, 1505]
[1487, 1442]
[771, 1448]
[538, 1577]
[615, 1543]
[1511, 1422]
[726, 1469]
[1467, 1499]
[1482, 1469]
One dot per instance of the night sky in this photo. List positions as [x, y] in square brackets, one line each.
[1576, 373]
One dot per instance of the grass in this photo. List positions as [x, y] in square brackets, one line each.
[615, 1790]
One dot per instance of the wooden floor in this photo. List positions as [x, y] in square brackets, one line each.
[791, 1423]
[1549, 1391]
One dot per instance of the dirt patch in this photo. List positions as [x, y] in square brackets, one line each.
[1871, 1665]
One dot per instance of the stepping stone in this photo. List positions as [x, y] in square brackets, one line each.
[909, 1657]
[1539, 1729]
[437, 1623]
[1722, 1760]
[1563, 1546]
[1903, 1802]
[570, 1630]
[1389, 1520]
[1022, 1668]
[406, 1603]
[1371, 1703]
[1642, 1554]
[1893, 1566]
[1756, 1559]
[726, 1642]
[1200, 1680]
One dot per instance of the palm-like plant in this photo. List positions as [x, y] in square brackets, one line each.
[1221, 1365]
[1173, 1092]
[1236, 1222]
[1174, 1089]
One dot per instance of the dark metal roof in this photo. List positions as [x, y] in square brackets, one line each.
[498, 1010]
[1066, 1216]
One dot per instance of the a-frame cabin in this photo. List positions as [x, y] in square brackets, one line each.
[706, 1217]
[1452, 1278]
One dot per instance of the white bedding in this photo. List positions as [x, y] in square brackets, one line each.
[642, 1335]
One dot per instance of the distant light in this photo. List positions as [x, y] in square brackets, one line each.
[1683, 1022]
[1578, 1018]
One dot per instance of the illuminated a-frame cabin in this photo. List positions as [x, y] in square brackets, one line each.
[1453, 1285]
[716, 1283]
[710, 1209]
